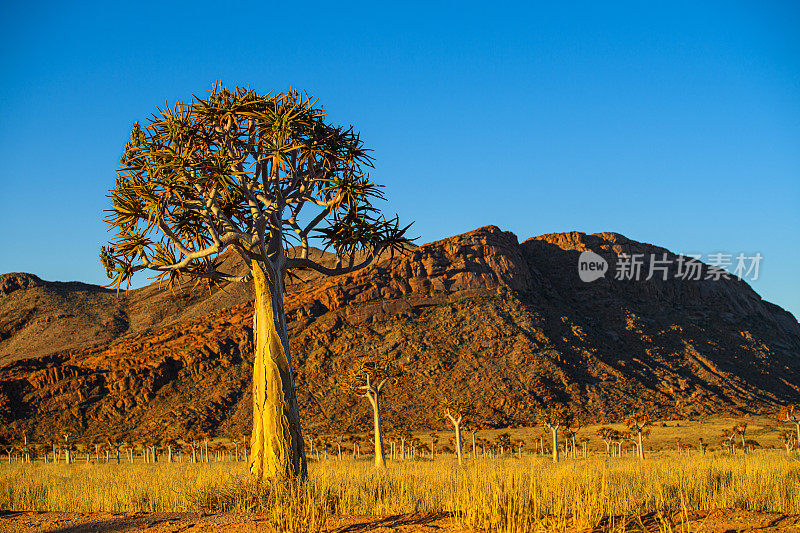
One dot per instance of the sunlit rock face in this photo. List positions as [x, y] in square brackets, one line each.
[506, 326]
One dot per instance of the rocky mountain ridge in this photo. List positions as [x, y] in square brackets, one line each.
[507, 326]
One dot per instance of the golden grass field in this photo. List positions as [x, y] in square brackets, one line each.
[501, 494]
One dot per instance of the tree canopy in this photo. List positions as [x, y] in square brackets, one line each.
[261, 174]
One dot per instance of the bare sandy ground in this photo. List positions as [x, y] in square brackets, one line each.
[716, 521]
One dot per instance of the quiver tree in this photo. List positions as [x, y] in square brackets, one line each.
[606, 434]
[703, 445]
[473, 429]
[338, 439]
[260, 175]
[190, 448]
[575, 426]
[192, 441]
[26, 449]
[569, 436]
[554, 418]
[367, 378]
[87, 443]
[791, 414]
[639, 426]
[631, 437]
[7, 447]
[454, 411]
[44, 450]
[730, 435]
[741, 428]
[115, 445]
[434, 440]
[520, 443]
[788, 438]
[503, 441]
[170, 443]
[235, 441]
[405, 438]
[584, 442]
[68, 447]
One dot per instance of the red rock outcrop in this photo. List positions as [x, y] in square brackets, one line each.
[507, 326]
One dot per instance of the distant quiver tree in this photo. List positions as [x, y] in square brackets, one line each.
[454, 412]
[791, 414]
[639, 426]
[260, 175]
[554, 418]
[367, 377]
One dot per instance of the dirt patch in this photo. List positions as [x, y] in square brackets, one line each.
[715, 521]
[729, 520]
[710, 521]
[29, 522]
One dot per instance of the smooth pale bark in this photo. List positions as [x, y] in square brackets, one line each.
[554, 431]
[640, 445]
[797, 428]
[277, 450]
[456, 421]
[474, 449]
[373, 394]
[458, 442]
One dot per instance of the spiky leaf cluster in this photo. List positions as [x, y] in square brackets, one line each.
[555, 416]
[378, 368]
[455, 407]
[262, 174]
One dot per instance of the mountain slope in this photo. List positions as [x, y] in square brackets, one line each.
[507, 326]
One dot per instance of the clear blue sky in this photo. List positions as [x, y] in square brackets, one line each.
[671, 123]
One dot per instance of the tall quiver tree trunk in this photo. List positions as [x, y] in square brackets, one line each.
[742, 428]
[373, 393]
[553, 418]
[638, 425]
[277, 448]
[640, 445]
[459, 446]
[456, 421]
[380, 460]
[797, 430]
[367, 378]
[474, 448]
